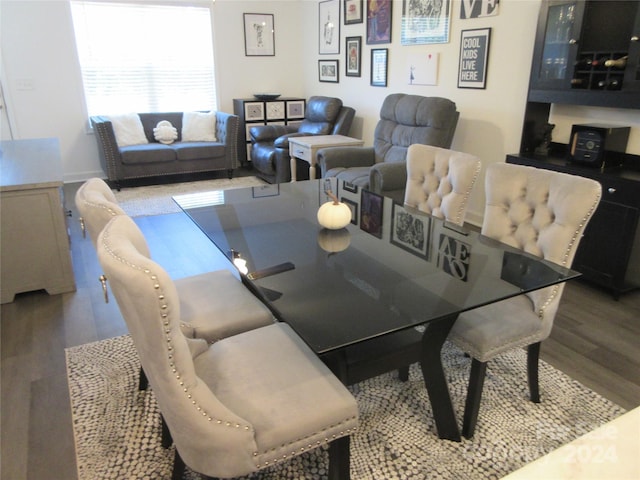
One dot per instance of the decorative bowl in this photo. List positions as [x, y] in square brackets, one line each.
[266, 96]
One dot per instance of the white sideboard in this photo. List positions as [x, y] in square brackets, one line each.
[34, 241]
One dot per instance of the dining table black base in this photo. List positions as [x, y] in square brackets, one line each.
[435, 381]
[396, 352]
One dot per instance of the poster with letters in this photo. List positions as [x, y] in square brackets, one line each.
[474, 54]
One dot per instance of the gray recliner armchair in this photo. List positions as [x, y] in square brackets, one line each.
[270, 143]
[404, 120]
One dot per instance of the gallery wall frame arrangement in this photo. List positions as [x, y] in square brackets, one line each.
[353, 52]
[328, 71]
[259, 35]
[329, 27]
[474, 56]
[379, 60]
[353, 12]
[425, 22]
[379, 21]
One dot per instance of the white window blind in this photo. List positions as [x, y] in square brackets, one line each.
[144, 57]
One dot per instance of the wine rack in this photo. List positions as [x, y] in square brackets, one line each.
[591, 71]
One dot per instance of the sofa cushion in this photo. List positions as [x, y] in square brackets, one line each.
[148, 153]
[199, 127]
[198, 150]
[128, 129]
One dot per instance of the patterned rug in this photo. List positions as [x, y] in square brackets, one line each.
[156, 199]
[117, 428]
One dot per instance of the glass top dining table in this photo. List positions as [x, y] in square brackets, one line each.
[391, 269]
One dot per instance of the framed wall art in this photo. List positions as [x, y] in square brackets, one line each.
[353, 206]
[353, 49]
[378, 21]
[379, 57]
[352, 12]
[371, 213]
[410, 232]
[474, 54]
[329, 27]
[259, 35]
[425, 21]
[328, 71]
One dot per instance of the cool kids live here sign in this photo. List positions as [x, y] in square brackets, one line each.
[474, 49]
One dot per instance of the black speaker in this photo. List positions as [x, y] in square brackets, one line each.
[599, 146]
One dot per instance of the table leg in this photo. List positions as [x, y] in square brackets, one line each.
[434, 378]
[312, 171]
[293, 168]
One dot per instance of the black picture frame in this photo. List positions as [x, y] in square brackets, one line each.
[265, 191]
[349, 187]
[379, 22]
[353, 12]
[353, 56]
[379, 61]
[474, 58]
[328, 71]
[371, 207]
[353, 206]
[410, 232]
[259, 35]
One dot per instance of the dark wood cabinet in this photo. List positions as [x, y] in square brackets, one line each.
[609, 252]
[574, 41]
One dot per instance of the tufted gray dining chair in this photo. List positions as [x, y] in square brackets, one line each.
[439, 181]
[543, 213]
[237, 309]
[238, 405]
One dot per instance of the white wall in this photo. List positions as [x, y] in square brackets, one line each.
[41, 76]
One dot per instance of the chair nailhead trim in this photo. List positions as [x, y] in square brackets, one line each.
[163, 307]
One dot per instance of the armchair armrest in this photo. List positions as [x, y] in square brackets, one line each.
[283, 140]
[108, 150]
[269, 133]
[347, 157]
[388, 177]
[227, 126]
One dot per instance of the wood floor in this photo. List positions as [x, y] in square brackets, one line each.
[595, 340]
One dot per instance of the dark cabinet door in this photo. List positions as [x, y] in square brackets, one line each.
[556, 46]
[604, 252]
[632, 72]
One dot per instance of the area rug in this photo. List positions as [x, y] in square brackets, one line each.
[156, 199]
[117, 427]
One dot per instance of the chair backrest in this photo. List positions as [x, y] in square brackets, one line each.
[439, 181]
[200, 424]
[96, 204]
[408, 119]
[320, 115]
[541, 212]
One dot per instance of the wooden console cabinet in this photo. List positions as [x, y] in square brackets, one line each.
[34, 242]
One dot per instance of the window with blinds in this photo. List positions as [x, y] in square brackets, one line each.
[139, 57]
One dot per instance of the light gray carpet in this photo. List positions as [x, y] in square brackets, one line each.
[156, 199]
[117, 428]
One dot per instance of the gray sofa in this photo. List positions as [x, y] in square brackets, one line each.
[155, 159]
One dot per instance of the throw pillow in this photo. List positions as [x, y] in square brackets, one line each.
[128, 129]
[199, 127]
[165, 132]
